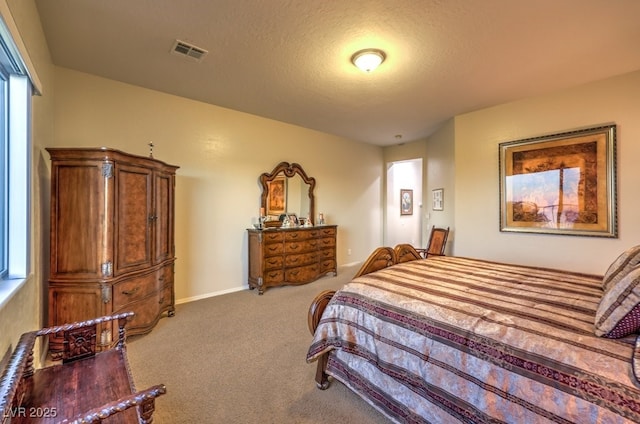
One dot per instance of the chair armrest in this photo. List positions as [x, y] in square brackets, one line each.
[144, 398]
[87, 331]
[75, 325]
[20, 365]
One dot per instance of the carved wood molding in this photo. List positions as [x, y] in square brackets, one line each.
[289, 170]
[406, 253]
[382, 257]
[51, 330]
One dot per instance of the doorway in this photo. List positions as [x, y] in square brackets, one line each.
[404, 203]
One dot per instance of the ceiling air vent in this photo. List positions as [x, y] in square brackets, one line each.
[189, 50]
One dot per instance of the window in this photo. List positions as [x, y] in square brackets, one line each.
[15, 161]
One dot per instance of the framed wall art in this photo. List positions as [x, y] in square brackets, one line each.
[560, 184]
[406, 201]
[277, 200]
[438, 199]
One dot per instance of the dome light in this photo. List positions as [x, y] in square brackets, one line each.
[369, 59]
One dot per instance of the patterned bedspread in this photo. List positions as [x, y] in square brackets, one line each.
[451, 339]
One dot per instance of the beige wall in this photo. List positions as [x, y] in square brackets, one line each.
[221, 154]
[441, 169]
[477, 136]
[25, 310]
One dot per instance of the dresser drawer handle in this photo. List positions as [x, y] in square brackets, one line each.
[130, 292]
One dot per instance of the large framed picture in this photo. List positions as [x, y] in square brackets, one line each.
[560, 184]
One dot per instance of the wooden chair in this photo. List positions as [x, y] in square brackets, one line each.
[437, 242]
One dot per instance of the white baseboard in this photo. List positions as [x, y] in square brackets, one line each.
[236, 289]
[207, 295]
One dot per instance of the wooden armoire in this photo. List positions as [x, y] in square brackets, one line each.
[112, 240]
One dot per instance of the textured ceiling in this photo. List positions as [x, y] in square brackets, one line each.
[288, 60]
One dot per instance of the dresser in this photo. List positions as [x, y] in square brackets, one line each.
[283, 256]
[111, 240]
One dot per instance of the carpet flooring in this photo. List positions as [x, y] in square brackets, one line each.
[240, 358]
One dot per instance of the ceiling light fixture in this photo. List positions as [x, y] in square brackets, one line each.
[369, 59]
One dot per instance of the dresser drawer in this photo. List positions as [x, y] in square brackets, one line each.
[327, 265]
[301, 259]
[146, 313]
[273, 276]
[300, 246]
[272, 237]
[299, 235]
[329, 253]
[273, 249]
[302, 274]
[326, 242]
[133, 290]
[327, 232]
[273, 262]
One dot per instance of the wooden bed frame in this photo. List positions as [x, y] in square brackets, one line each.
[381, 258]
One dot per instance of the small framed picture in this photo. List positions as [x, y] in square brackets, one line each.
[406, 201]
[438, 199]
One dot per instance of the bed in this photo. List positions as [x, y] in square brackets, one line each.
[451, 339]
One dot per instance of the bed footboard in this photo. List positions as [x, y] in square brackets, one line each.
[316, 309]
[381, 258]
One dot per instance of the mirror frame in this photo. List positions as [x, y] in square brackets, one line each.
[289, 170]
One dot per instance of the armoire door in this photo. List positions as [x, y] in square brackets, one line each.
[134, 218]
[80, 226]
[163, 217]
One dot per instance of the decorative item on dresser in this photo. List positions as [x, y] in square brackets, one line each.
[112, 240]
[292, 253]
[295, 255]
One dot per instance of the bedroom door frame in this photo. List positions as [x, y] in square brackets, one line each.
[403, 228]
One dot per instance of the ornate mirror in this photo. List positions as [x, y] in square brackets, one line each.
[287, 190]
